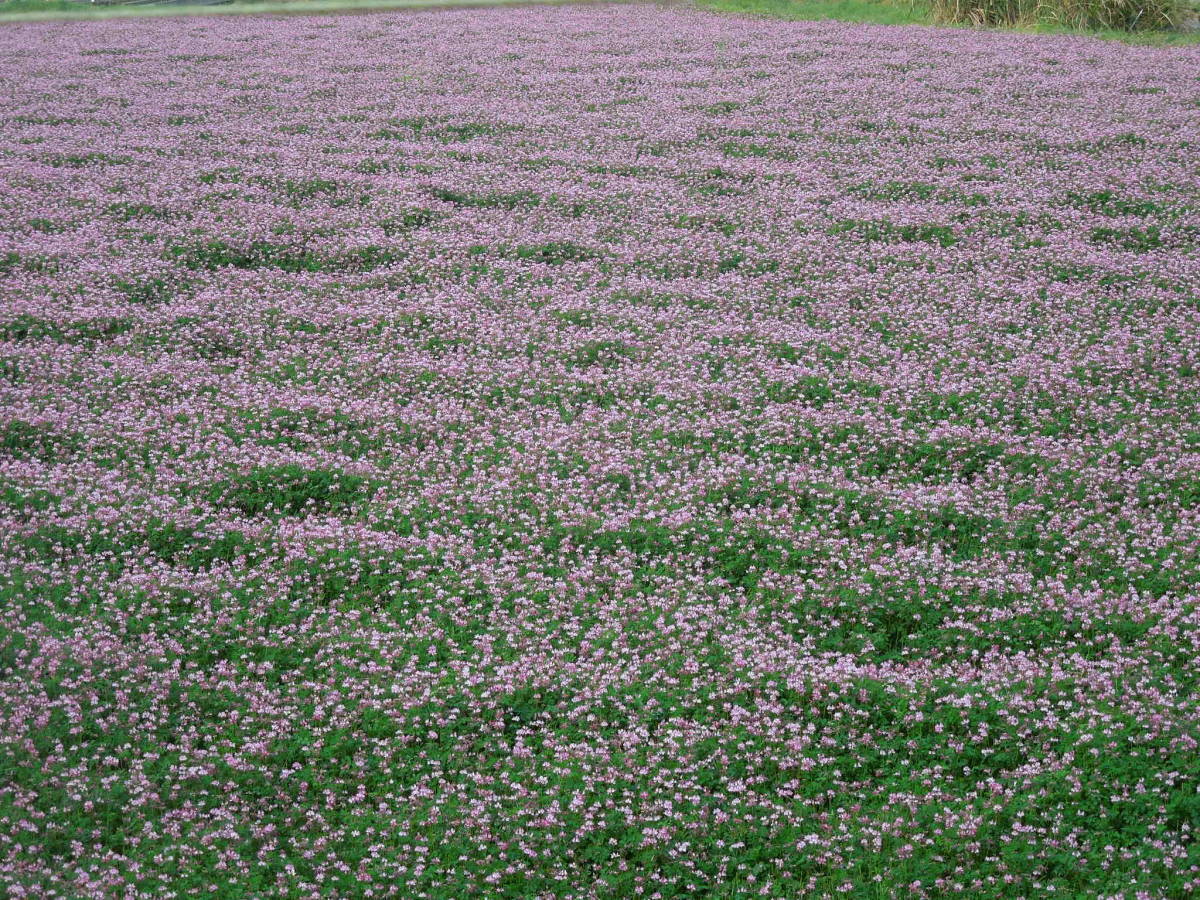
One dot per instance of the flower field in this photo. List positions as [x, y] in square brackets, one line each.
[597, 452]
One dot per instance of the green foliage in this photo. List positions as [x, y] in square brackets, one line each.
[408, 220]
[608, 354]
[1108, 203]
[1137, 239]
[889, 232]
[177, 545]
[84, 160]
[554, 253]
[487, 200]
[217, 254]
[84, 331]
[289, 490]
[23, 440]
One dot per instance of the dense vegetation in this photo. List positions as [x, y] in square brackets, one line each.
[600, 453]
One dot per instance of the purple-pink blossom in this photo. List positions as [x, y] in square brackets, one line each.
[606, 451]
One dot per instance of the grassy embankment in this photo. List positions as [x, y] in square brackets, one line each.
[1063, 16]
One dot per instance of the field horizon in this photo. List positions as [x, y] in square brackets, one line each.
[874, 12]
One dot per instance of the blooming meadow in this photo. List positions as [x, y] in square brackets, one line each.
[597, 452]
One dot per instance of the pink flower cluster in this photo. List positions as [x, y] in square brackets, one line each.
[597, 452]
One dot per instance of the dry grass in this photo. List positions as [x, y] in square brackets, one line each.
[1119, 15]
